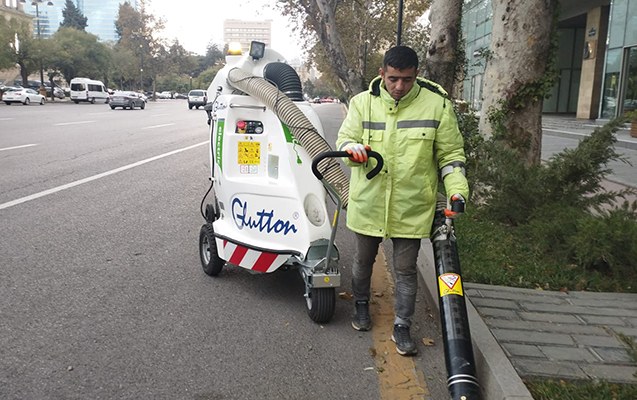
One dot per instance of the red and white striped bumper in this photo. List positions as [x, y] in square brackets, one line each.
[251, 259]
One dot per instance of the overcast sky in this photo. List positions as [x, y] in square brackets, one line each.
[196, 23]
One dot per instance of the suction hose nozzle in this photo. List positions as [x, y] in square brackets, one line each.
[301, 128]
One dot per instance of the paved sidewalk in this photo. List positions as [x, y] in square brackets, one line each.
[573, 335]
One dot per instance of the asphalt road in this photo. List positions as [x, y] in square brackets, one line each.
[101, 291]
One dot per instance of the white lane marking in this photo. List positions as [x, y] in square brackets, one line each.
[95, 177]
[157, 126]
[18, 147]
[73, 123]
[7, 119]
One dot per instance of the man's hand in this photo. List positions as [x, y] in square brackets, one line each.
[456, 206]
[357, 152]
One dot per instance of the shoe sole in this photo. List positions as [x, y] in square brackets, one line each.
[360, 328]
[403, 352]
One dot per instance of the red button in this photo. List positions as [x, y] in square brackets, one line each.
[241, 125]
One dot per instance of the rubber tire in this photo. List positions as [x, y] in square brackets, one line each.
[210, 261]
[42, 101]
[142, 106]
[76, 102]
[93, 100]
[7, 103]
[112, 107]
[321, 304]
[27, 101]
[190, 106]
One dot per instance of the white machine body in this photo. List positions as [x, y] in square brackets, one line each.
[271, 207]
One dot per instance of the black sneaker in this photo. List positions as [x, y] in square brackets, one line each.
[404, 345]
[362, 321]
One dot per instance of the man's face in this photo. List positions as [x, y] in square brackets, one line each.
[398, 82]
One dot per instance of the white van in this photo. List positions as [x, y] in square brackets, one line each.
[84, 89]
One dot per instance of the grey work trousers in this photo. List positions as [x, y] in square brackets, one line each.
[404, 263]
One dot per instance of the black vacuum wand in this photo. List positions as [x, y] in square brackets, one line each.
[461, 370]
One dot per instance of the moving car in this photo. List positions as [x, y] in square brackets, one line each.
[197, 98]
[22, 95]
[127, 100]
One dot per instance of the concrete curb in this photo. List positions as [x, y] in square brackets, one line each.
[498, 379]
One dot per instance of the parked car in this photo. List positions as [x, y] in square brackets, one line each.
[57, 92]
[22, 95]
[197, 98]
[165, 95]
[180, 96]
[126, 100]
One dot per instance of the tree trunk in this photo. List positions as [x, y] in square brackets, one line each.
[517, 75]
[442, 55]
[325, 21]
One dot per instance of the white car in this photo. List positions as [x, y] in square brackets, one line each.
[197, 98]
[22, 95]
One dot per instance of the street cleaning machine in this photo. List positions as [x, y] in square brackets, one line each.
[267, 207]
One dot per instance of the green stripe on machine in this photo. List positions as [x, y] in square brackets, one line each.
[219, 143]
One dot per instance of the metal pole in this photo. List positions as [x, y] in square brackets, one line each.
[400, 23]
[37, 17]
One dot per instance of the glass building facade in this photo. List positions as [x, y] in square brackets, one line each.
[619, 92]
[101, 16]
[608, 86]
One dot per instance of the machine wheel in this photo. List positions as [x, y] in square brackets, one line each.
[320, 304]
[42, 101]
[210, 261]
[93, 100]
[112, 107]
[142, 106]
[190, 106]
[26, 101]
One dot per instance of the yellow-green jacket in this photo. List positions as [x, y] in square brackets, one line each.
[416, 136]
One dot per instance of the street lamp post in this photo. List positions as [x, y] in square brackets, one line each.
[36, 3]
[141, 67]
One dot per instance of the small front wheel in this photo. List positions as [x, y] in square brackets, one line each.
[320, 304]
[210, 260]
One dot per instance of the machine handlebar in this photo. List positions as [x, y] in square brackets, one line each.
[343, 154]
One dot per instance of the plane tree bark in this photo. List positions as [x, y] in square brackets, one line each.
[444, 61]
[520, 72]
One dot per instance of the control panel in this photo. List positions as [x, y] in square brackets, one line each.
[249, 127]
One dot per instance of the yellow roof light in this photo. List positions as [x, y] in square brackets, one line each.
[234, 49]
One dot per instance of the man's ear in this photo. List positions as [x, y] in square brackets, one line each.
[381, 72]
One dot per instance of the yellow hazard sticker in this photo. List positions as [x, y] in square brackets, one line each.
[450, 284]
[249, 153]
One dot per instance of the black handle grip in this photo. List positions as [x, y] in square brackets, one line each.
[457, 206]
[341, 154]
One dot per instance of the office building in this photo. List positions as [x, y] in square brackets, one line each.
[101, 16]
[244, 32]
[597, 57]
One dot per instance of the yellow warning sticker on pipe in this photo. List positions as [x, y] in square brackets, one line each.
[450, 284]
[249, 153]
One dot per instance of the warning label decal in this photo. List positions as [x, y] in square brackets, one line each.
[450, 284]
[249, 153]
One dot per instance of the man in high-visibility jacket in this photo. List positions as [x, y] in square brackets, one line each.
[412, 124]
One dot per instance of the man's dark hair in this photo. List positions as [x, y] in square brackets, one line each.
[401, 57]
